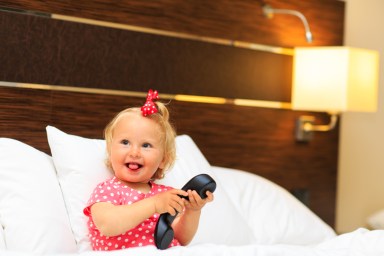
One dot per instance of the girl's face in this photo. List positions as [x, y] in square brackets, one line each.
[136, 149]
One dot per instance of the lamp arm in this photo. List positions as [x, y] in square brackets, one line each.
[309, 127]
[268, 12]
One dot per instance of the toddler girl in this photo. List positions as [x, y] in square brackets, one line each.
[123, 210]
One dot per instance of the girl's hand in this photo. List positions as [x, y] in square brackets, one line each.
[195, 202]
[170, 201]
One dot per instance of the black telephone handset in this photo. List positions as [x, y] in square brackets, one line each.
[163, 232]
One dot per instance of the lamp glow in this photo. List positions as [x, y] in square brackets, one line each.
[334, 79]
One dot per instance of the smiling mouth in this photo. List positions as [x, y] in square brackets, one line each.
[133, 166]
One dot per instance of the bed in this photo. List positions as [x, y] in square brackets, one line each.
[42, 196]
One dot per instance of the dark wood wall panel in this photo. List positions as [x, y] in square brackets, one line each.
[241, 20]
[46, 51]
[55, 52]
[257, 140]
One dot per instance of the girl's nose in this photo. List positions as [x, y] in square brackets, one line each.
[134, 151]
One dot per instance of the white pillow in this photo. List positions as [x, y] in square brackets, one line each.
[32, 210]
[189, 163]
[80, 165]
[275, 215]
[2, 242]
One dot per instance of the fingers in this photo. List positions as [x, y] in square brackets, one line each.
[194, 197]
[180, 192]
[169, 201]
[196, 202]
[172, 203]
[176, 206]
[175, 202]
[209, 196]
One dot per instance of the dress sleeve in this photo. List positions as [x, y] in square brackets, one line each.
[104, 192]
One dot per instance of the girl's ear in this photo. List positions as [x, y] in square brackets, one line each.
[163, 162]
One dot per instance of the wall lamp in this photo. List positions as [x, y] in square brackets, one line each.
[332, 79]
[269, 11]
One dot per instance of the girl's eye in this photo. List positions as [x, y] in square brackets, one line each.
[125, 142]
[146, 145]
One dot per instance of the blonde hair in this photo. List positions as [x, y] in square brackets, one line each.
[167, 132]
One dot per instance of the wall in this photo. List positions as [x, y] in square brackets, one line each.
[361, 160]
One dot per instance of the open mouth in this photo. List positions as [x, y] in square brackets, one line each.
[133, 166]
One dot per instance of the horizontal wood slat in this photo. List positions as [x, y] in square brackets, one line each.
[241, 20]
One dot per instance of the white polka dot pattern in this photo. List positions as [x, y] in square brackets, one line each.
[115, 192]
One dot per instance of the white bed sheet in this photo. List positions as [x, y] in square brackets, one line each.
[359, 242]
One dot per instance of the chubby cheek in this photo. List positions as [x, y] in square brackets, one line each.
[117, 157]
[119, 169]
[115, 164]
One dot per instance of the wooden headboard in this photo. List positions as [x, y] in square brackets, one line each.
[71, 56]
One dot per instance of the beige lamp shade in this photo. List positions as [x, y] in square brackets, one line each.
[335, 79]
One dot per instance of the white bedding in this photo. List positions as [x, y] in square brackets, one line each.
[360, 242]
[42, 197]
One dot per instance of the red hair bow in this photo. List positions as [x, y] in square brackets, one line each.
[149, 107]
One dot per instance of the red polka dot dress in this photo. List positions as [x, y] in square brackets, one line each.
[117, 193]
